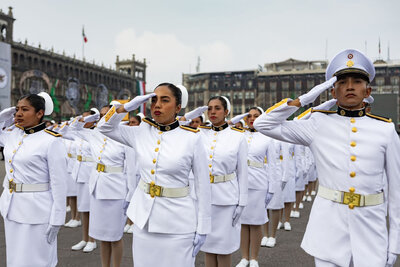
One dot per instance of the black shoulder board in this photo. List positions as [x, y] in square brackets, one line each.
[238, 129]
[52, 133]
[188, 128]
[324, 111]
[379, 117]
[205, 127]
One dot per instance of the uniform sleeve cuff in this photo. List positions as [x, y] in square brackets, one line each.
[204, 225]
[242, 199]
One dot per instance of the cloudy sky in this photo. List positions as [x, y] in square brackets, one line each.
[225, 34]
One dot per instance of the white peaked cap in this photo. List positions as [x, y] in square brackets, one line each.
[48, 103]
[260, 109]
[228, 104]
[95, 110]
[185, 95]
[350, 61]
[141, 115]
[203, 118]
[114, 102]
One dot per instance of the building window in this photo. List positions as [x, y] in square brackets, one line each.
[250, 83]
[238, 83]
[214, 84]
[249, 95]
[285, 85]
[394, 80]
[272, 86]
[380, 81]
[297, 85]
[261, 85]
[310, 84]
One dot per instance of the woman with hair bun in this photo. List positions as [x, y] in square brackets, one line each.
[33, 201]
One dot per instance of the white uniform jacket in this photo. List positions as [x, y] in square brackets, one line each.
[226, 150]
[259, 147]
[350, 152]
[104, 185]
[166, 155]
[290, 171]
[82, 169]
[70, 147]
[34, 156]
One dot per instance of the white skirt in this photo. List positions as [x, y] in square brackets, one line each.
[255, 212]
[106, 219]
[161, 250]
[289, 192]
[26, 245]
[300, 185]
[83, 197]
[224, 238]
[276, 202]
[71, 186]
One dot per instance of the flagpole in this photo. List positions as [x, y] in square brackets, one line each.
[83, 43]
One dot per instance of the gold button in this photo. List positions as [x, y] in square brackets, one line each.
[212, 147]
[351, 206]
[99, 158]
[11, 170]
[105, 139]
[160, 132]
[103, 146]
[158, 142]
[352, 120]
[354, 129]
[352, 189]
[154, 161]
[9, 161]
[14, 151]
[215, 133]
[19, 143]
[101, 151]
[210, 156]
[214, 140]
[353, 144]
[353, 158]
[156, 150]
[209, 165]
[153, 171]
[352, 174]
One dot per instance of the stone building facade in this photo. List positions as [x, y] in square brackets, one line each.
[74, 84]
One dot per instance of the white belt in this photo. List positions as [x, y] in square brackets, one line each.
[27, 187]
[221, 178]
[84, 159]
[108, 169]
[255, 164]
[70, 155]
[155, 190]
[350, 198]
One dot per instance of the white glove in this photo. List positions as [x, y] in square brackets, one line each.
[137, 101]
[268, 198]
[391, 259]
[237, 118]
[326, 105]
[51, 233]
[7, 114]
[283, 185]
[195, 113]
[310, 97]
[92, 118]
[236, 214]
[198, 241]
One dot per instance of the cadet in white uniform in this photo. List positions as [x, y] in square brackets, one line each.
[254, 214]
[227, 164]
[168, 229]
[352, 150]
[34, 197]
[108, 188]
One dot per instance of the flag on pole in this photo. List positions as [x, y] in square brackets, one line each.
[379, 46]
[84, 35]
[141, 90]
[53, 97]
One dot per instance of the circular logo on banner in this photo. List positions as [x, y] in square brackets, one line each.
[3, 78]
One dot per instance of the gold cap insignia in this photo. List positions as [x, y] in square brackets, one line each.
[350, 63]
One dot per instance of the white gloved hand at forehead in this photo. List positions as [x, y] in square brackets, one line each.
[310, 97]
[237, 118]
[92, 118]
[7, 114]
[197, 112]
[137, 101]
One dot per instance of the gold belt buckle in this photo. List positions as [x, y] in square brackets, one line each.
[12, 186]
[100, 167]
[281, 157]
[155, 190]
[351, 199]
[211, 178]
[69, 155]
[79, 157]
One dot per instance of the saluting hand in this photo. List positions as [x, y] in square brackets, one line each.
[137, 101]
[237, 118]
[310, 97]
[92, 118]
[197, 112]
[7, 114]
